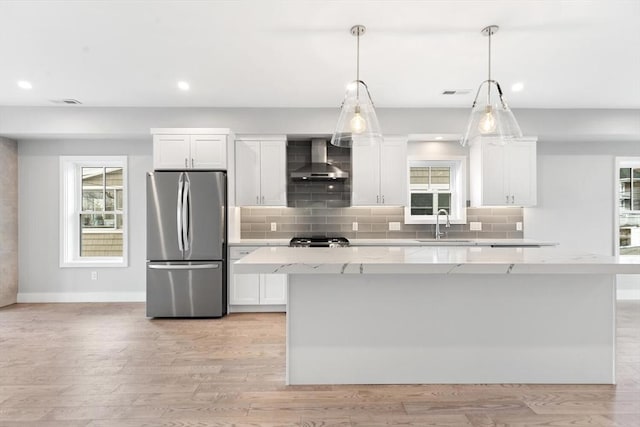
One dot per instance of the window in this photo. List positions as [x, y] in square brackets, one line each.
[435, 185]
[93, 218]
[629, 208]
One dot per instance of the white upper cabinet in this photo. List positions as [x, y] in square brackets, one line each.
[190, 148]
[247, 172]
[379, 174]
[261, 172]
[503, 175]
[208, 151]
[171, 152]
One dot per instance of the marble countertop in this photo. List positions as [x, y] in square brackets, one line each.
[449, 242]
[431, 260]
[405, 242]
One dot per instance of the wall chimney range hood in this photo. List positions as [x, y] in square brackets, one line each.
[319, 169]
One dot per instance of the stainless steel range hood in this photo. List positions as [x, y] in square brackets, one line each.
[319, 169]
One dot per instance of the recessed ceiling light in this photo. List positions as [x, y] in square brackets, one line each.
[23, 84]
[517, 87]
[183, 85]
[438, 138]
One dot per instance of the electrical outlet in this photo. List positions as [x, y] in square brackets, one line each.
[94, 275]
[518, 226]
[394, 226]
[274, 226]
[475, 226]
[354, 226]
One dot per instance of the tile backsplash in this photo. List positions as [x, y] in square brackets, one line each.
[373, 223]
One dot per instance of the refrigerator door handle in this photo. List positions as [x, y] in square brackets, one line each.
[179, 213]
[185, 267]
[186, 212]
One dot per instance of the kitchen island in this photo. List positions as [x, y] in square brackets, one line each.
[385, 315]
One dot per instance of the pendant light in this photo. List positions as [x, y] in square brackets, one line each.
[491, 119]
[357, 122]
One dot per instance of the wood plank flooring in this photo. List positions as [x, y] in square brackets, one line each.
[106, 365]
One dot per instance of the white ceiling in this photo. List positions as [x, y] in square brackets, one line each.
[296, 53]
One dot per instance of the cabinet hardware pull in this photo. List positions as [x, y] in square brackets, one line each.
[186, 165]
[257, 200]
[184, 266]
[507, 197]
[378, 199]
[383, 199]
[192, 163]
[512, 199]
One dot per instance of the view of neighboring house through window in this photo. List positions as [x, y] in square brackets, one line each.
[430, 189]
[93, 215]
[629, 192]
[101, 215]
[435, 185]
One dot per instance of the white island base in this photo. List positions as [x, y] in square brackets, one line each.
[450, 328]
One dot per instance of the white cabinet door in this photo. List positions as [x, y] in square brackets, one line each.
[521, 173]
[171, 152]
[247, 173]
[273, 173]
[393, 172]
[209, 152]
[503, 175]
[365, 182]
[273, 289]
[494, 192]
[244, 289]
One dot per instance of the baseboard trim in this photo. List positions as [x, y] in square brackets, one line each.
[36, 297]
[627, 294]
[258, 308]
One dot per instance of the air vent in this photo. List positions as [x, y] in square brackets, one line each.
[456, 91]
[68, 101]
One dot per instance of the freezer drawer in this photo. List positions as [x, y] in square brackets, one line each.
[186, 289]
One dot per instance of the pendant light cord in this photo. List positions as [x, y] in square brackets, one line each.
[489, 82]
[358, 66]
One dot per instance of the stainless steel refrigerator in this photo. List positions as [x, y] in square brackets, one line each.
[186, 244]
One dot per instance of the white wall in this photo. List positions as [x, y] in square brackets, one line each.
[558, 125]
[40, 277]
[576, 190]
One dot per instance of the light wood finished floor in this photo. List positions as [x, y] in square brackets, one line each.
[99, 365]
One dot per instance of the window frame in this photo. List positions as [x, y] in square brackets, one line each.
[71, 208]
[458, 189]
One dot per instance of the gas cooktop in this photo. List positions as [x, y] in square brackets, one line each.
[319, 242]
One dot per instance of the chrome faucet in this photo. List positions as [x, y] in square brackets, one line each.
[447, 225]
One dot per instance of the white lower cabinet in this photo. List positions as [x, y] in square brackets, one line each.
[266, 292]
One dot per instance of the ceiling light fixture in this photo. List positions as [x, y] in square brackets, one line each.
[493, 121]
[183, 86]
[357, 122]
[23, 84]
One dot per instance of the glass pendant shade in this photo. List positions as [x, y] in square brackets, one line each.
[358, 122]
[491, 118]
